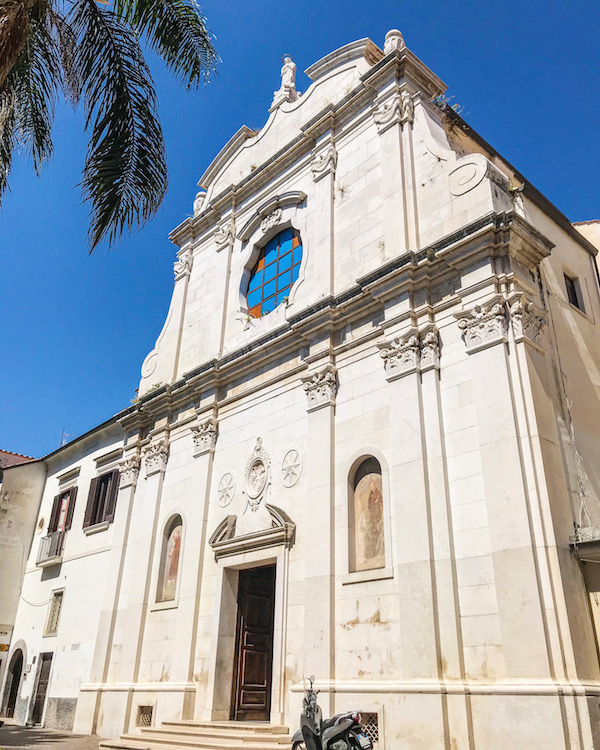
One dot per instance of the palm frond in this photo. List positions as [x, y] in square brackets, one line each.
[35, 79]
[14, 23]
[66, 42]
[7, 135]
[177, 31]
[125, 174]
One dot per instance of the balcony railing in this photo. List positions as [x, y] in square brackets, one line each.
[51, 549]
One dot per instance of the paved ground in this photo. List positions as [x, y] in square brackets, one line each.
[34, 738]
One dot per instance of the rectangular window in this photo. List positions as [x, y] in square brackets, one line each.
[62, 511]
[102, 499]
[574, 292]
[54, 613]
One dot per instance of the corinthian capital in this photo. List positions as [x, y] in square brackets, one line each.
[155, 456]
[527, 320]
[204, 436]
[484, 325]
[321, 388]
[129, 469]
[401, 355]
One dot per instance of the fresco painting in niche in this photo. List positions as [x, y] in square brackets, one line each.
[369, 548]
[171, 564]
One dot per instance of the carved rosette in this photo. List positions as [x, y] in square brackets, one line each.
[204, 436]
[484, 325]
[321, 388]
[129, 469]
[155, 456]
[225, 234]
[271, 220]
[324, 164]
[258, 472]
[183, 265]
[527, 320]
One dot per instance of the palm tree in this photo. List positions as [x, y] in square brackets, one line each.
[91, 53]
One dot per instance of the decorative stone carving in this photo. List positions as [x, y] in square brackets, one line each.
[430, 349]
[291, 468]
[226, 489]
[229, 539]
[527, 321]
[407, 107]
[393, 41]
[271, 220]
[155, 456]
[287, 91]
[225, 234]
[257, 474]
[204, 436]
[183, 265]
[470, 170]
[325, 163]
[400, 355]
[199, 201]
[387, 114]
[129, 469]
[321, 388]
[484, 325]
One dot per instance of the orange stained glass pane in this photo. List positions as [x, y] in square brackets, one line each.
[261, 264]
[295, 241]
[255, 311]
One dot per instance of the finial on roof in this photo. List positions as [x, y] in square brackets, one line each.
[287, 92]
[199, 201]
[393, 41]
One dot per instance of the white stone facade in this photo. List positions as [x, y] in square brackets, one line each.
[430, 329]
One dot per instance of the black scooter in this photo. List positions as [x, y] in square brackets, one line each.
[341, 732]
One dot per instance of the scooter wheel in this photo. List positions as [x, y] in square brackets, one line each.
[298, 746]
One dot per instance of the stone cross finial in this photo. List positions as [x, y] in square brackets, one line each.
[287, 92]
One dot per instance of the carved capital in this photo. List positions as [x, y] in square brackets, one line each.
[155, 456]
[271, 220]
[401, 355]
[430, 349]
[183, 265]
[484, 325]
[129, 469]
[204, 436]
[527, 320]
[387, 114]
[324, 164]
[225, 234]
[321, 388]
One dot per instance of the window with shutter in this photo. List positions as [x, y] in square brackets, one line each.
[62, 511]
[102, 499]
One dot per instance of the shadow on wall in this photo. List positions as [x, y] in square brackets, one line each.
[33, 738]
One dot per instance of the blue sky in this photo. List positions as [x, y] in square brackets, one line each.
[76, 328]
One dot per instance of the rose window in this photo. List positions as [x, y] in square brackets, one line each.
[276, 270]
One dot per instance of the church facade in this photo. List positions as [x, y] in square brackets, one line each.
[366, 448]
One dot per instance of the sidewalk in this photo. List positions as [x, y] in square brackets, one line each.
[34, 738]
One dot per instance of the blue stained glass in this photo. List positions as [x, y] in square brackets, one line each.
[255, 281]
[268, 305]
[270, 271]
[254, 298]
[284, 280]
[285, 247]
[285, 236]
[298, 254]
[285, 262]
[269, 289]
[271, 253]
[282, 295]
[295, 272]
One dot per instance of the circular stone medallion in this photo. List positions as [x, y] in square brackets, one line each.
[226, 489]
[291, 468]
[257, 478]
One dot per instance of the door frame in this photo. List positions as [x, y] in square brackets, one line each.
[38, 674]
[217, 705]
[10, 682]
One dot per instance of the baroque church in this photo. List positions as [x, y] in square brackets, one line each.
[366, 448]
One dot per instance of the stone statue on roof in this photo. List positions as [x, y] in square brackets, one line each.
[287, 92]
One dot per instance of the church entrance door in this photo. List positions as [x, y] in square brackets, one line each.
[253, 663]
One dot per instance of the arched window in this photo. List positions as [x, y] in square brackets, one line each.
[276, 269]
[169, 560]
[367, 543]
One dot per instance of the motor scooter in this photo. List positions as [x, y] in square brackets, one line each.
[341, 732]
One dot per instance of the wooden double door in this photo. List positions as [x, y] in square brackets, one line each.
[253, 662]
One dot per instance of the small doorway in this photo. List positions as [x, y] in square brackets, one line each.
[15, 671]
[253, 661]
[45, 662]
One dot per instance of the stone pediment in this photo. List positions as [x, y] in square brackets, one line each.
[281, 532]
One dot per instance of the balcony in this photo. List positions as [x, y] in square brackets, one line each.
[51, 549]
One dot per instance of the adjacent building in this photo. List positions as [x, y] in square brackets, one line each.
[366, 448]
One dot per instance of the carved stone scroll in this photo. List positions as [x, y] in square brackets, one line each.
[401, 355]
[324, 164]
[387, 114]
[527, 320]
[484, 325]
[129, 469]
[183, 265]
[225, 234]
[271, 220]
[155, 456]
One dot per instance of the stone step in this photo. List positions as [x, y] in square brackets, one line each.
[204, 735]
